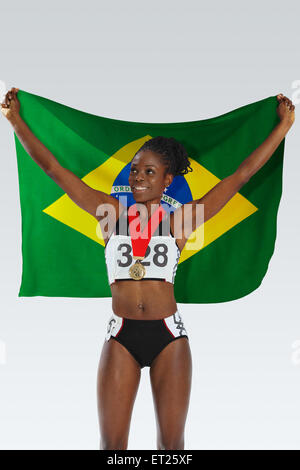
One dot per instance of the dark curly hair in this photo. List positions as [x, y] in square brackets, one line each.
[172, 152]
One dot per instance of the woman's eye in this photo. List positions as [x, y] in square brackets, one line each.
[133, 169]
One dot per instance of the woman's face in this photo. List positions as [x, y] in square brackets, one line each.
[148, 173]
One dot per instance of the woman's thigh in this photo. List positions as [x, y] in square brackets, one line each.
[117, 384]
[171, 379]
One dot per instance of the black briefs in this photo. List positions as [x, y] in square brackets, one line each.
[145, 339]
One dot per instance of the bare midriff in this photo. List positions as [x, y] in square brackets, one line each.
[143, 300]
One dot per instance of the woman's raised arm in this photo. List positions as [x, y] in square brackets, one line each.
[215, 199]
[83, 195]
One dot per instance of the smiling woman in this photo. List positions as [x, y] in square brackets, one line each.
[145, 328]
[149, 174]
[153, 168]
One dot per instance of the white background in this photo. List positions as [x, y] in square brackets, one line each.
[158, 61]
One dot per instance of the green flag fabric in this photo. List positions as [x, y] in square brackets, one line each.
[63, 254]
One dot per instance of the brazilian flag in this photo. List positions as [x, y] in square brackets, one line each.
[62, 248]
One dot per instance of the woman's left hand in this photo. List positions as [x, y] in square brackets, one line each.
[285, 109]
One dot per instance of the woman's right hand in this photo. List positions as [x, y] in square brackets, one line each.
[10, 106]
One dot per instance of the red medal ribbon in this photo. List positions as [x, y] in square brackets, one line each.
[140, 241]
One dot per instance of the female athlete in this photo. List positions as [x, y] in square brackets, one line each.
[146, 328]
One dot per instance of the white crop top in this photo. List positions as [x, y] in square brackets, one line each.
[161, 258]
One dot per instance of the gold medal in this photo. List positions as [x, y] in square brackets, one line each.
[137, 271]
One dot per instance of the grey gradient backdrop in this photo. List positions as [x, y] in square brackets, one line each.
[157, 61]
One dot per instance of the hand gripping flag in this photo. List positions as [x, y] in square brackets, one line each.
[63, 255]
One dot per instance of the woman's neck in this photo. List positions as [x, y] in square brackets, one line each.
[150, 206]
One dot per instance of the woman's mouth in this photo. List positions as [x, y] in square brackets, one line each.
[139, 189]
